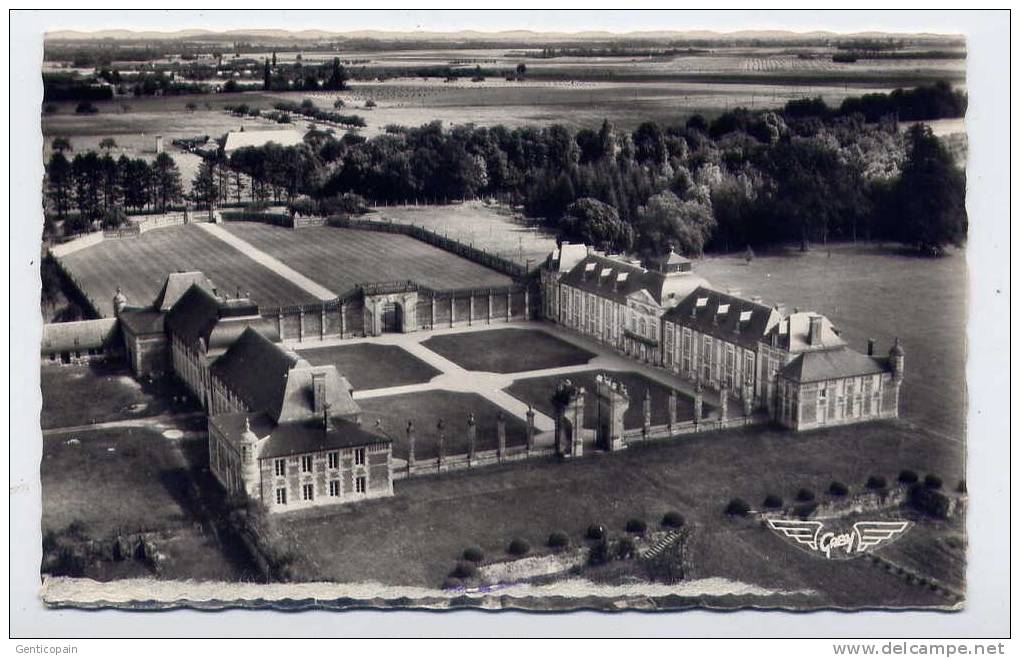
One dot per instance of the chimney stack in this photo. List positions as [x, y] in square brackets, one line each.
[815, 332]
[871, 347]
[319, 392]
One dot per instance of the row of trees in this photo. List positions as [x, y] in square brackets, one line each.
[93, 187]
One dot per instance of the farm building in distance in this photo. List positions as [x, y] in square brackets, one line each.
[796, 368]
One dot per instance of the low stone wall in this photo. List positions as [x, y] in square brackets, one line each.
[464, 461]
[76, 244]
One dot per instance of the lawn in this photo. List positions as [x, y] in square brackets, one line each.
[368, 365]
[426, 408]
[416, 537]
[340, 259]
[494, 228]
[507, 350]
[870, 292]
[538, 391]
[140, 265]
[101, 392]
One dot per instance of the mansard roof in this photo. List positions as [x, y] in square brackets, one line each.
[838, 363]
[295, 438]
[616, 278]
[724, 316]
[793, 333]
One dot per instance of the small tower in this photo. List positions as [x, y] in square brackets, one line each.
[249, 462]
[896, 360]
[119, 302]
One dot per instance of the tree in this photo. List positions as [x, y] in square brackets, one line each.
[665, 222]
[108, 143]
[649, 144]
[267, 76]
[930, 194]
[522, 69]
[58, 173]
[166, 179]
[205, 188]
[595, 223]
[338, 77]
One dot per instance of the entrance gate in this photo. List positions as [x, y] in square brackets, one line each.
[392, 317]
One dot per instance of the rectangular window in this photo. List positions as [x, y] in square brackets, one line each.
[281, 496]
[306, 464]
[359, 456]
[308, 491]
[334, 460]
[281, 467]
[359, 485]
[334, 488]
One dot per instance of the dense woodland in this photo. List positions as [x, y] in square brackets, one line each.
[806, 173]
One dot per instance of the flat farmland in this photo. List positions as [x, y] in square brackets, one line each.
[874, 292]
[140, 265]
[340, 259]
[494, 228]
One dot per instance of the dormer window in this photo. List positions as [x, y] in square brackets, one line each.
[621, 277]
[702, 302]
[723, 309]
[745, 316]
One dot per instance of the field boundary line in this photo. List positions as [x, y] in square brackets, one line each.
[270, 263]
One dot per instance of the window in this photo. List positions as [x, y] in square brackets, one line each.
[334, 460]
[334, 488]
[281, 467]
[359, 485]
[281, 496]
[308, 492]
[686, 351]
[306, 463]
[359, 456]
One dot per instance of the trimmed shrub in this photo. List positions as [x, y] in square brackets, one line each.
[930, 501]
[637, 526]
[772, 501]
[838, 489]
[600, 553]
[876, 482]
[595, 531]
[932, 481]
[672, 519]
[737, 507]
[465, 569]
[805, 510]
[518, 547]
[473, 554]
[907, 476]
[805, 495]
[626, 549]
[558, 540]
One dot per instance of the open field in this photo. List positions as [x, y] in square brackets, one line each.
[494, 228]
[871, 292]
[426, 408]
[99, 393]
[416, 537]
[140, 265]
[341, 259]
[507, 350]
[368, 365]
[538, 391]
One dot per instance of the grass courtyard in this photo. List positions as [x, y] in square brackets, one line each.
[416, 537]
[507, 350]
[425, 408]
[538, 391]
[102, 392]
[340, 259]
[369, 365]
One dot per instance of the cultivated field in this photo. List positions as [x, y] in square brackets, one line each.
[140, 265]
[341, 259]
[427, 408]
[369, 365]
[494, 228]
[416, 537]
[871, 292]
[507, 350]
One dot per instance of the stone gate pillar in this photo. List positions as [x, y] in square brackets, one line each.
[453, 310]
[569, 403]
[440, 441]
[646, 414]
[531, 430]
[472, 435]
[612, 402]
[699, 402]
[343, 320]
[471, 309]
[410, 446]
[501, 436]
[488, 315]
[301, 325]
[322, 323]
[279, 322]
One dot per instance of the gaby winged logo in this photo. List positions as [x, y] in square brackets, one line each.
[842, 545]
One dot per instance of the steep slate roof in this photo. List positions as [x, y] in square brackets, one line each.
[566, 256]
[175, 285]
[298, 401]
[295, 438]
[792, 333]
[81, 335]
[200, 315]
[707, 318]
[241, 138]
[142, 321]
[822, 365]
[601, 275]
